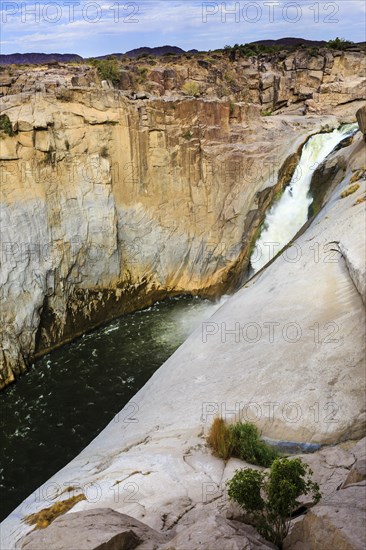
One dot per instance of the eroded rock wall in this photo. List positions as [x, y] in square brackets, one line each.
[109, 203]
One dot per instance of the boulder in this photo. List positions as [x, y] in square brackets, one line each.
[336, 523]
[98, 529]
[214, 532]
[358, 470]
[361, 119]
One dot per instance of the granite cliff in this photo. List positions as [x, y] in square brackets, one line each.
[115, 195]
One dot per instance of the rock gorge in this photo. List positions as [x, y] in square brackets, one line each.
[115, 197]
[149, 479]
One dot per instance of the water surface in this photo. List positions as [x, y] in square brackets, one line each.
[52, 412]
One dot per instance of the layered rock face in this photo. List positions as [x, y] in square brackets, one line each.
[109, 203]
[312, 80]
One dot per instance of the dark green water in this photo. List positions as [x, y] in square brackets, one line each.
[69, 396]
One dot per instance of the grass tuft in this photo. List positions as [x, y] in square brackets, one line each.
[46, 516]
[350, 190]
[219, 439]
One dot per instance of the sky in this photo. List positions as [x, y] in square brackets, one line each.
[91, 28]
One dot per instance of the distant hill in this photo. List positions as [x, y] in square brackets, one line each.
[289, 41]
[37, 58]
[41, 58]
[158, 51]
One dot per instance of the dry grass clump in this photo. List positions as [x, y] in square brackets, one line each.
[240, 440]
[357, 176]
[219, 438]
[191, 88]
[350, 190]
[360, 200]
[44, 517]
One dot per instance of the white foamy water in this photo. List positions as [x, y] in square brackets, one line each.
[289, 214]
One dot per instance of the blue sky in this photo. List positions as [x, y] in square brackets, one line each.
[95, 28]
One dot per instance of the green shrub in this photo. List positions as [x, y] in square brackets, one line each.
[240, 440]
[104, 152]
[314, 52]
[191, 88]
[187, 135]
[271, 499]
[142, 74]
[6, 126]
[108, 69]
[247, 445]
[338, 44]
[266, 112]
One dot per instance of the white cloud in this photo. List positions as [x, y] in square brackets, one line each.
[181, 23]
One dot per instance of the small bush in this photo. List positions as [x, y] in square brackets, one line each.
[314, 52]
[271, 499]
[6, 126]
[108, 69]
[338, 44]
[104, 152]
[142, 74]
[240, 440]
[230, 78]
[266, 112]
[191, 88]
[187, 135]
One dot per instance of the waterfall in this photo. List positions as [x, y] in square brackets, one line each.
[286, 217]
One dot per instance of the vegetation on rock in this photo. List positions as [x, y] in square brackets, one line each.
[350, 190]
[104, 152]
[6, 126]
[270, 499]
[44, 517]
[240, 440]
[338, 44]
[191, 88]
[108, 69]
